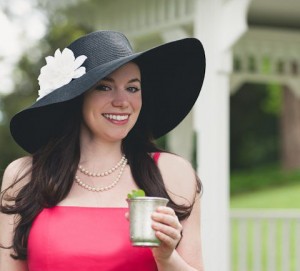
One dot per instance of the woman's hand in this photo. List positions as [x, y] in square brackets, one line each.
[168, 230]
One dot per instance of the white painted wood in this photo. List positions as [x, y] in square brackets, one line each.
[181, 139]
[242, 248]
[297, 247]
[233, 18]
[257, 244]
[274, 45]
[279, 12]
[141, 18]
[212, 123]
[271, 252]
[279, 224]
[265, 214]
[286, 232]
[174, 33]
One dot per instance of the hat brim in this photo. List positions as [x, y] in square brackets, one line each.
[172, 77]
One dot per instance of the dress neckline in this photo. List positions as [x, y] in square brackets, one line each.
[88, 207]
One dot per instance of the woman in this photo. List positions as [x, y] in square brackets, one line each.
[90, 138]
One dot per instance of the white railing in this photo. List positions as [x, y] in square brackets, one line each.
[265, 240]
[264, 55]
[143, 17]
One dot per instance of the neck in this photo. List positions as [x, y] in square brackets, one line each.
[96, 152]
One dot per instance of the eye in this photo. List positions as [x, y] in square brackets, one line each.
[103, 87]
[133, 89]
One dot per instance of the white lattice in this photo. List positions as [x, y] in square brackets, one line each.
[267, 56]
[143, 17]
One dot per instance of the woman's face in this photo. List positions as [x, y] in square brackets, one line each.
[111, 109]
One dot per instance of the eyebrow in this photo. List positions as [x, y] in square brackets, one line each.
[109, 79]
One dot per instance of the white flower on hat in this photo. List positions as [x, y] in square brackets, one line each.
[60, 70]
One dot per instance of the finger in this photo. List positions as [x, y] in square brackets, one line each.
[167, 220]
[164, 238]
[164, 218]
[127, 216]
[166, 210]
[173, 233]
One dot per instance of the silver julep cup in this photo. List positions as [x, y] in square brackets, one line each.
[140, 211]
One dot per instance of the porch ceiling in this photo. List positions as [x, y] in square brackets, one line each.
[275, 13]
[269, 50]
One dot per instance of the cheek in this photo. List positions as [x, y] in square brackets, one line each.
[92, 102]
[138, 106]
[138, 103]
[89, 110]
[85, 111]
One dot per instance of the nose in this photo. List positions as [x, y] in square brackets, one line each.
[120, 98]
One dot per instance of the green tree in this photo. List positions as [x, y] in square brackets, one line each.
[254, 127]
[60, 33]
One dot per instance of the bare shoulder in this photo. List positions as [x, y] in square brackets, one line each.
[179, 177]
[15, 170]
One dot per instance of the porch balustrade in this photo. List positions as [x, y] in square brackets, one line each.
[265, 240]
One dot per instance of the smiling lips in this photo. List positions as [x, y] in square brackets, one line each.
[117, 118]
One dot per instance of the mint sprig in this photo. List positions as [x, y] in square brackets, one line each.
[136, 194]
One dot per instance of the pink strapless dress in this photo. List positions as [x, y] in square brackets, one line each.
[66, 238]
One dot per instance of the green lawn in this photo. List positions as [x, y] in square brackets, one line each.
[282, 197]
[261, 178]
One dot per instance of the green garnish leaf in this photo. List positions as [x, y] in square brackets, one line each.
[136, 194]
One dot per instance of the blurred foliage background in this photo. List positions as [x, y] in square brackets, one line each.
[256, 158]
[255, 110]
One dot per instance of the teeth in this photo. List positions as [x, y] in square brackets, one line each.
[116, 117]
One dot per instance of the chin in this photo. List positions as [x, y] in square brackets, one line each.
[117, 137]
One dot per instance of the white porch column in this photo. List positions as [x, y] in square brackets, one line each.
[180, 140]
[218, 24]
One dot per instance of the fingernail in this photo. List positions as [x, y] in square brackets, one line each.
[154, 214]
[154, 225]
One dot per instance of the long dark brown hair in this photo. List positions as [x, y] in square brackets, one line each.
[54, 167]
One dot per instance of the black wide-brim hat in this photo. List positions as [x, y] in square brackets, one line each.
[172, 75]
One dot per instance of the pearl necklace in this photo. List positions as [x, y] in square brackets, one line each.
[101, 174]
[104, 188]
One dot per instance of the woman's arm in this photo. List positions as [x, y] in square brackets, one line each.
[7, 221]
[179, 178]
